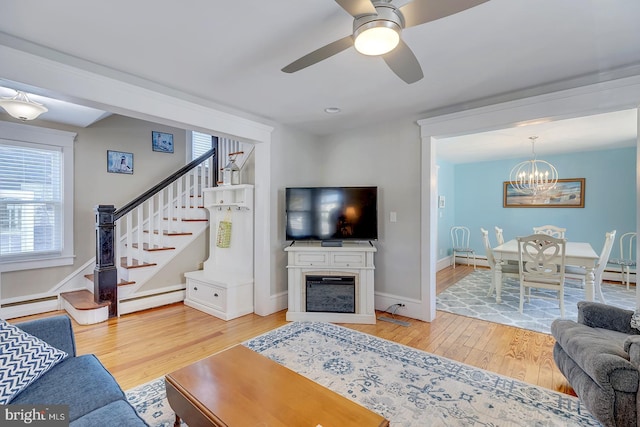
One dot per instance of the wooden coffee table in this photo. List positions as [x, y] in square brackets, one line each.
[239, 387]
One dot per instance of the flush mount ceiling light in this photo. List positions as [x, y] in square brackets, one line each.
[21, 107]
[533, 177]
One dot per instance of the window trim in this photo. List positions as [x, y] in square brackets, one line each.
[38, 136]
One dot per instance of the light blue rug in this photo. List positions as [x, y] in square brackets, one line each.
[468, 297]
[407, 386]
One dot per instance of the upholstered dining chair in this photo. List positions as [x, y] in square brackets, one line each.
[551, 230]
[576, 272]
[460, 237]
[542, 263]
[627, 256]
[508, 270]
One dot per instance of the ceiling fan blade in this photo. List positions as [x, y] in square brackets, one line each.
[404, 63]
[420, 11]
[320, 54]
[357, 7]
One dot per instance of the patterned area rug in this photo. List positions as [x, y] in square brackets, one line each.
[469, 298]
[407, 386]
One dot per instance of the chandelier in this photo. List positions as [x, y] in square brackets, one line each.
[533, 176]
[21, 107]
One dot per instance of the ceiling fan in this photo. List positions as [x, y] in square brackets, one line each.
[377, 26]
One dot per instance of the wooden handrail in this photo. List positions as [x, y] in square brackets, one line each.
[162, 184]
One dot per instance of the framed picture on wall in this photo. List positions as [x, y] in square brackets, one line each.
[162, 142]
[119, 162]
[568, 193]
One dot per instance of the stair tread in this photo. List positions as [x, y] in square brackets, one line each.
[135, 263]
[145, 247]
[83, 300]
[175, 233]
[122, 282]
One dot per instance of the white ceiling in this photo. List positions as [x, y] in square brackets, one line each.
[589, 133]
[231, 53]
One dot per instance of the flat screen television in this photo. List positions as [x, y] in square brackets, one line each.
[332, 213]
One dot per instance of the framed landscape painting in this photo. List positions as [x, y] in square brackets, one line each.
[119, 162]
[568, 193]
[162, 142]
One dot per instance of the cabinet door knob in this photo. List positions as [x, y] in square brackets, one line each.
[195, 288]
[215, 295]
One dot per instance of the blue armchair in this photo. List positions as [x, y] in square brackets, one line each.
[82, 382]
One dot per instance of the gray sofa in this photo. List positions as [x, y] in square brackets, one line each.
[600, 357]
[93, 395]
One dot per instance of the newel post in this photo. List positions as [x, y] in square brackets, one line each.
[105, 274]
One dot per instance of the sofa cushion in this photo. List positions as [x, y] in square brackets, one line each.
[599, 353]
[80, 382]
[23, 359]
[118, 413]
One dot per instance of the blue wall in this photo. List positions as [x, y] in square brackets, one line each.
[476, 193]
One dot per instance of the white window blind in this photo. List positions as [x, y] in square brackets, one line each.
[36, 197]
[31, 201]
[200, 144]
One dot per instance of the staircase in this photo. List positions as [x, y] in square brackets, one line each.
[144, 237]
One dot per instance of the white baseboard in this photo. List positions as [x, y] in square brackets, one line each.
[27, 309]
[276, 303]
[412, 307]
[151, 301]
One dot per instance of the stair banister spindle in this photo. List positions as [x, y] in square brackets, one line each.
[140, 253]
[150, 221]
[201, 183]
[180, 205]
[160, 222]
[191, 192]
[170, 203]
[128, 240]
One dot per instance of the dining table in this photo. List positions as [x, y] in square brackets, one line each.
[579, 254]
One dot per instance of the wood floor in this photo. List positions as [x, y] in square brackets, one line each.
[139, 347]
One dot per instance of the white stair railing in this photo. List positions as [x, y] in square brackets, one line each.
[149, 224]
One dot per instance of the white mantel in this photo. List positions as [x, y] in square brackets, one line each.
[350, 259]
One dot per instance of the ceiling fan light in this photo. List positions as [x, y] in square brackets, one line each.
[21, 107]
[377, 39]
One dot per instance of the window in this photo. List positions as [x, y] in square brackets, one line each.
[36, 197]
[200, 144]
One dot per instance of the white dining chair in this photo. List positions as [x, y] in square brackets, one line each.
[542, 263]
[550, 230]
[460, 237]
[508, 270]
[577, 272]
[627, 256]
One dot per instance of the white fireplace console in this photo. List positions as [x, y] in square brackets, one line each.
[353, 259]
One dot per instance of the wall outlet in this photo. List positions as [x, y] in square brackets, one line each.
[441, 252]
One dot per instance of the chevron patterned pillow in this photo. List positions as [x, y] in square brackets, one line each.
[23, 359]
